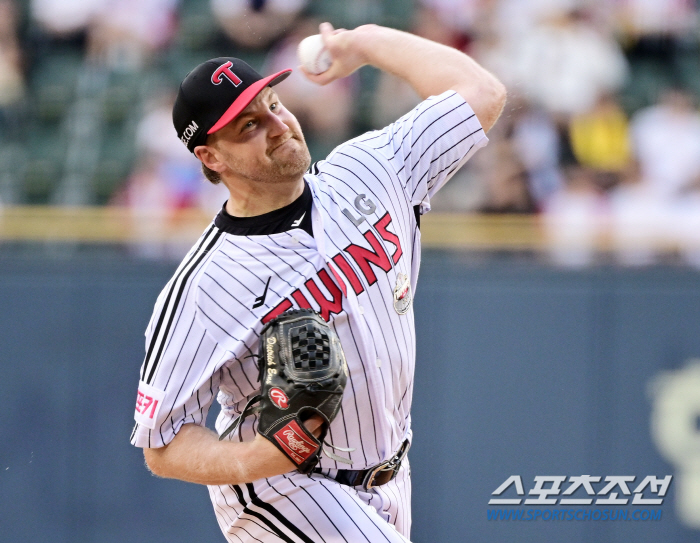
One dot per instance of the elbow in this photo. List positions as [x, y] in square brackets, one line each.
[154, 461]
[487, 99]
[495, 100]
[501, 95]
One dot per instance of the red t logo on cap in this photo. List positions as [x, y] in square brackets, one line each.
[225, 70]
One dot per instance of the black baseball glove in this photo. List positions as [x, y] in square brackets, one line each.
[302, 373]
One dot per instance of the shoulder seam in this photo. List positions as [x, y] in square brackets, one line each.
[183, 277]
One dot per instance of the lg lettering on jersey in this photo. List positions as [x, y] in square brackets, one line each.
[364, 205]
[225, 71]
[364, 258]
[148, 402]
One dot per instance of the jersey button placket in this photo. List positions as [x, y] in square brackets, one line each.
[354, 310]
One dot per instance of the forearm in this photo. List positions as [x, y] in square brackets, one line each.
[432, 68]
[429, 67]
[196, 455]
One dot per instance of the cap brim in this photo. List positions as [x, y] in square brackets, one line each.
[246, 97]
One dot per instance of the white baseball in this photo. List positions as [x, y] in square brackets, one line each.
[313, 55]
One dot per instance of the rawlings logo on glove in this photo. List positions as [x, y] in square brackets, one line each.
[303, 373]
[292, 442]
[279, 398]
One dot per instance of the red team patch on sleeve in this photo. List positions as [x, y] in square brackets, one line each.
[148, 402]
[295, 442]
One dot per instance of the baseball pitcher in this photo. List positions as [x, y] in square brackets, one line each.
[294, 308]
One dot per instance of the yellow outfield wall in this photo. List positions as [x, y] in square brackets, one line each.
[438, 230]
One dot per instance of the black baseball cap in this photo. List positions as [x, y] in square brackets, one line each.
[215, 93]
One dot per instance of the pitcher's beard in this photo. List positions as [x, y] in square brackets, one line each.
[282, 165]
[289, 164]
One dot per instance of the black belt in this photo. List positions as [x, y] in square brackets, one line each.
[378, 475]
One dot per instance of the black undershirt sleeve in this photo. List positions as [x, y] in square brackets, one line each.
[416, 212]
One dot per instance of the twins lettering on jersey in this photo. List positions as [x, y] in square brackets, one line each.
[363, 257]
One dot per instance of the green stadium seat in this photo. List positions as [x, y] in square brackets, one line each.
[647, 80]
[119, 97]
[46, 148]
[688, 63]
[393, 13]
[52, 85]
[116, 160]
[197, 28]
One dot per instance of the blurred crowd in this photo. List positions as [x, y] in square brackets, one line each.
[600, 136]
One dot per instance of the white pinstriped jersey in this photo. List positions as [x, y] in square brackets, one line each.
[206, 322]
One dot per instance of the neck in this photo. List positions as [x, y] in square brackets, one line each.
[251, 200]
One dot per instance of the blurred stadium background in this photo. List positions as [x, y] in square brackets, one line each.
[561, 274]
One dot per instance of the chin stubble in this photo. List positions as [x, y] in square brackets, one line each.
[295, 165]
[278, 170]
